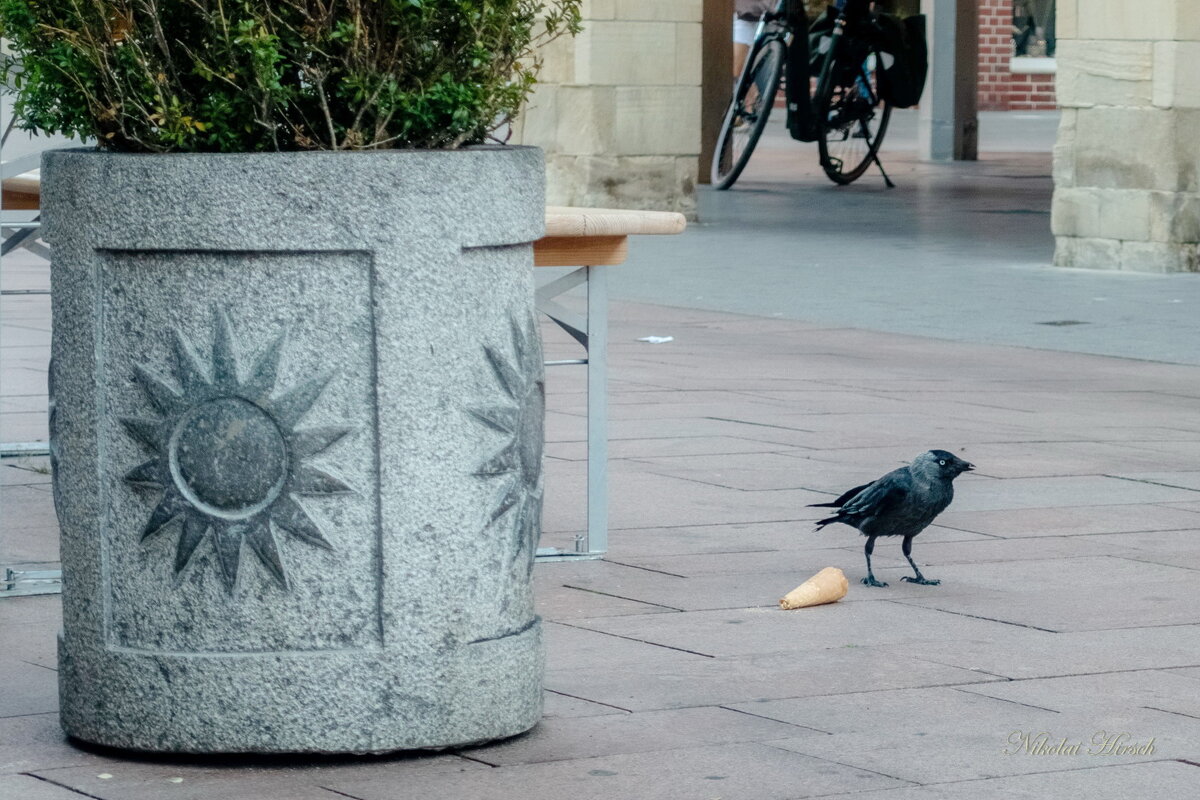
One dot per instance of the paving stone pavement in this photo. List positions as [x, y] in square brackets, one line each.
[1070, 568]
[959, 251]
[1070, 564]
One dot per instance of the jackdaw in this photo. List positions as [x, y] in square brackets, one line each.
[901, 503]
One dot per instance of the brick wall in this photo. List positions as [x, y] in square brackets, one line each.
[1000, 89]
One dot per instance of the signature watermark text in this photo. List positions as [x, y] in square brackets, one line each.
[1102, 743]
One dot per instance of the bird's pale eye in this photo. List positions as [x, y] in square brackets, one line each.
[942, 462]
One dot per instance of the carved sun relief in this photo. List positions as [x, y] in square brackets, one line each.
[229, 458]
[520, 418]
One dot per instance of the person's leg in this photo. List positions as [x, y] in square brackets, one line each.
[743, 38]
[740, 51]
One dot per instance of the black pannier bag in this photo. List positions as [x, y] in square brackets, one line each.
[904, 58]
[801, 122]
[796, 14]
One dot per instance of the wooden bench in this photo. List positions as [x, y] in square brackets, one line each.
[22, 193]
[591, 239]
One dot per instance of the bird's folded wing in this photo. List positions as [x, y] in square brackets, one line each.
[880, 499]
[841, 501]
[848, 496]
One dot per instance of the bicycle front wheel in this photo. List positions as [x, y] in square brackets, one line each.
[852, 116]
[753, 98]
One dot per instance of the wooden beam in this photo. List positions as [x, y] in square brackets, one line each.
[22, 194]
[716, 76]
[576, 251]
[966, 81]
[573, 221]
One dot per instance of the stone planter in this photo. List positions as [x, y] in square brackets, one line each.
[296, 430]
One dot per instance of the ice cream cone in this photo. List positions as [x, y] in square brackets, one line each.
[827, 586]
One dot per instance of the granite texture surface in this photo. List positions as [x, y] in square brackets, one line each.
[296, 431]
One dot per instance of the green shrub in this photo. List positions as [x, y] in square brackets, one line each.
[253, 75]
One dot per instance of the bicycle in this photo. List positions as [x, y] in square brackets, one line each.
[845, 115]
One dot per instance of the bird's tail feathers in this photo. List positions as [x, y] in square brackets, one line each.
[821, 523]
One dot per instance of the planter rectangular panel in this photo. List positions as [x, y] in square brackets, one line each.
[329, 597]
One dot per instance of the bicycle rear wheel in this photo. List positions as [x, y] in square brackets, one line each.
[753, 98]
[853, 118]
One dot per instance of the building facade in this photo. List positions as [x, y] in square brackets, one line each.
[1127, 162]
[617, 108]
[619, 113]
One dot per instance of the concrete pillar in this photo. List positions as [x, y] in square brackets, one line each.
[1127, 161]
[617, 109]
[948, 121]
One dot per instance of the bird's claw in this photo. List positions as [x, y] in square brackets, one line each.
[872, 581]
[921, 580]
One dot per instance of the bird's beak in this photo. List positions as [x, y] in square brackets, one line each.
[968, 468]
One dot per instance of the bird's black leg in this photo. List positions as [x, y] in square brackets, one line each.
[921, 579]
[870, 579]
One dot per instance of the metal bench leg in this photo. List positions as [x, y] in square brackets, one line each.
[597, 412]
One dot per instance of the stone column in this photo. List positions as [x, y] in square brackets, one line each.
[1127, 162]
[948, 123]
[617, 109]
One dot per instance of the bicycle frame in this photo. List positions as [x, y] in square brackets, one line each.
[783, 30]
[781, 50]
[801, 121]
[802, 117]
